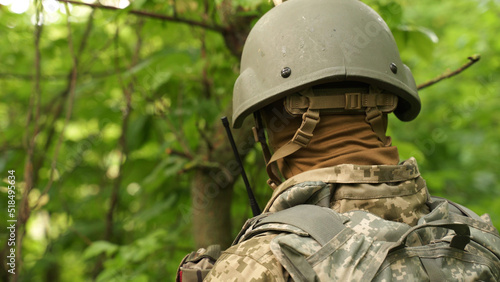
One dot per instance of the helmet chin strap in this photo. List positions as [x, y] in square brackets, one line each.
[300, 140]
[311, 117]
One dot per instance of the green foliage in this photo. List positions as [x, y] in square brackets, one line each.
[100, 247]
[180, 79]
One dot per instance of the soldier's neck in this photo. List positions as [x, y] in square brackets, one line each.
[338, 139]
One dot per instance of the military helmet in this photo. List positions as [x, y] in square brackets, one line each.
[302, 43]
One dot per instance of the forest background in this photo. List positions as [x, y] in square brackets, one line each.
[110, 124]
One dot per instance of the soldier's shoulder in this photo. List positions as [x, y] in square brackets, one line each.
[250, 260]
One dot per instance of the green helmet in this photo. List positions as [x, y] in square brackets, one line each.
[302, 43]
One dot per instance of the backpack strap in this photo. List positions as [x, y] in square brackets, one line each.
[248, 226]
[320, 223]
[456, 208]
[434, 273]
[464, 215]
[459, 241]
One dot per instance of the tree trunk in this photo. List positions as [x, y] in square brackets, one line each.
[211, 196]
[212, 191]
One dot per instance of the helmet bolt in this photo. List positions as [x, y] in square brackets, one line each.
[394, 68]
[286, 72]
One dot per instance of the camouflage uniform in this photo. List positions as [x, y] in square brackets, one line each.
[396, 193]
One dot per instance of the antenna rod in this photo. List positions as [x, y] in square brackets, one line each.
[253, 202]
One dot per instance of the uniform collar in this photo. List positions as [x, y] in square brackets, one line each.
[349, 174]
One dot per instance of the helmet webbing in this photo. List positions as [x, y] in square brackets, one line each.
[368, 103]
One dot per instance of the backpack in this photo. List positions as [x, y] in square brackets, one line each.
[315, 243]
[196, 265]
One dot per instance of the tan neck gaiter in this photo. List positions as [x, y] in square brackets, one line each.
[337, 139]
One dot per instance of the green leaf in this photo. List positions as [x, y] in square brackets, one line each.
[422, 40]
[392, 13]
[99, 247]
[155, 210]
[137, 4]
[138, 132]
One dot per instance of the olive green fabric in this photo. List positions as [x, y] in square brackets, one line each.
[320, 223]
[334, 100]
[302, 43]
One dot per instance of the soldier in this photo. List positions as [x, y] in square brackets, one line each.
[320, 77]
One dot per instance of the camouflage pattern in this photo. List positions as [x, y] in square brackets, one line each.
[375, 245]
[251, 260]
[271, 228]
[404, 202]
[196, 265]
[353, 174]
[367, 224]
[455, 265]
[347, 257]
[395, 193]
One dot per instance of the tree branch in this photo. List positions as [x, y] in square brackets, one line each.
[86, 34]
[35, 99]
[53, 77]
[84, 238]
[448, 74]
[204, 72]
[205, 138]
[69, 109]
[172, 152]
[23, 76]
[7, 147]
[178, 133]
[95, 57]
[122, 142]
[153, 16]
[56, 105]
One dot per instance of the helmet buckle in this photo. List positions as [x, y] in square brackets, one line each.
[302, 138]
[353, 101]
[314, 115]
[304, 134]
